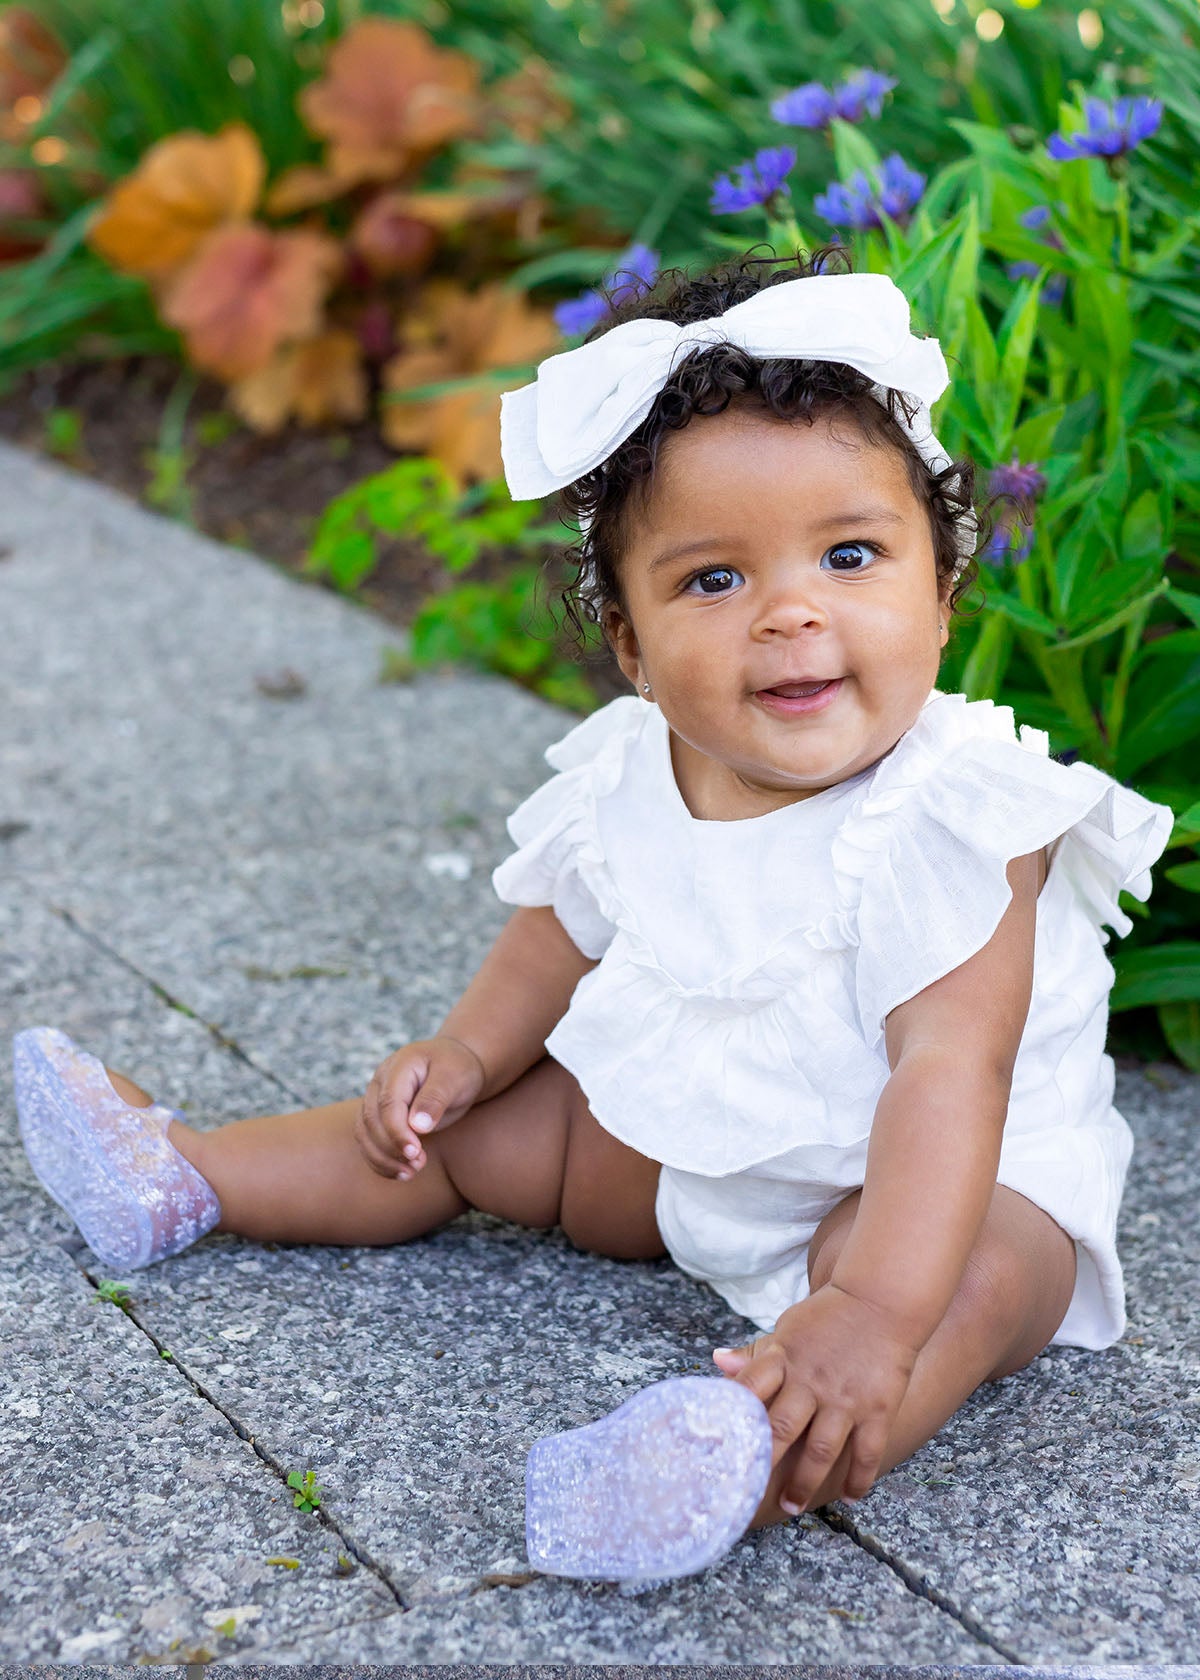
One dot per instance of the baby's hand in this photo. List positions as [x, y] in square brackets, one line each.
[427, 1084]
[833, 1371]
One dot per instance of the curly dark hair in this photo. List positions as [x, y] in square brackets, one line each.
[705, 382]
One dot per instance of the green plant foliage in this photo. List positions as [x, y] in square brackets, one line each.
[416, 498]
[118, 1293]
[496, 626]
[308, 1493]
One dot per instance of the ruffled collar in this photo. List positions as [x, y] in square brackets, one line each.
[658, 734]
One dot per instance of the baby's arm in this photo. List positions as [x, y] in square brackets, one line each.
[839, 1362]
[495, 1032]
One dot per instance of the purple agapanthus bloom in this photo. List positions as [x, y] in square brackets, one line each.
[813, 105]
[810, 106]
[1111, 131]
[580, 314]
[757, 181]
[863, 90]
[863, 204]
[1025, 482]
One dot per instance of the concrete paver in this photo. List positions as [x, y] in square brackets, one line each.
[243, 903]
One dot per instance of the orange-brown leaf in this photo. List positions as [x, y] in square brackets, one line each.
[184, 187]
[389, 98]
[246, 292]
[392, 241]
[317, 380]
[476, 332]
[301, 188]
[30, 56]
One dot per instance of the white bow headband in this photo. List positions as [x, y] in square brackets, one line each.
[586, 401]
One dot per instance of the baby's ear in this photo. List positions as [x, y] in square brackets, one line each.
[618, 633]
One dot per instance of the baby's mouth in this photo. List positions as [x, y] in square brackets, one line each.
[797, 691]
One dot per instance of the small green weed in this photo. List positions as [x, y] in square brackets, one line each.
[64, 432]
[107, 1289]
[308, 1496]
[168, 488]
[213, 429]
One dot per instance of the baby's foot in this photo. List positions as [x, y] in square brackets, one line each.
[662, 1487]
[107, 1162]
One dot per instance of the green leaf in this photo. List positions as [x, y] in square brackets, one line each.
[912, 276]
[1021, 613]
[852, 151]
[1180, 1023]
[1014, 342]
[1188, 603]
[1142, 531]
[1165, 724]
[1165, 973]
[1034, 437]
[1114, 588]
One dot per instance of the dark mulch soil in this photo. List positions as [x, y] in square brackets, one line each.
[262, 493]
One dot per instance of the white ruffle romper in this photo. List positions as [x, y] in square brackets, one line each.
[733, 1028]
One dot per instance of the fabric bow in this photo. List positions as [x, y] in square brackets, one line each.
[586, 401]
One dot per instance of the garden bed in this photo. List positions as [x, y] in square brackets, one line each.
[263, 493]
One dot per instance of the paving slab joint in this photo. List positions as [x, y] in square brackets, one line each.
[354, 1548]
[917, 1583]
[172, 1002]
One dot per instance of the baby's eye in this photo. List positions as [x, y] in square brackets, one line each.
[840, 548]
[713, 571]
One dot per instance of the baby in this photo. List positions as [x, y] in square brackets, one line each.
[805, 985]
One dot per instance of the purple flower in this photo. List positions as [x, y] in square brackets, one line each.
[758, 181]
[1052, 292]
[640, 262]
[1055, 288]
[1025, 482]
[865, 88]
[902, 187]
[810, 106]
[1111, 131]
[580, 314]
[813, 106]
[1013, 479]
[862, 205]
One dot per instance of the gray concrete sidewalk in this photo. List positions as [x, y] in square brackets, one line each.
[244, 902]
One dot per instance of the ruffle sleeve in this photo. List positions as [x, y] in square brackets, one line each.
[560, 861]
[921, 864]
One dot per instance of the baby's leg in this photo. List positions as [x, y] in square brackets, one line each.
[1012, 1298]
[532, 1154]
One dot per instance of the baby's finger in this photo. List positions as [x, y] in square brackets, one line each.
[399, 1086]
[763, 1372]
[377, 1159]
[823, 1443]
[869, 1443]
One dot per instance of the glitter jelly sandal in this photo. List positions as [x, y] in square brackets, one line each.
[659, 1488]
[107, 1163]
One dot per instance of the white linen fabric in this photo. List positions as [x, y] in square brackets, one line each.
[588, 400]
[734, 1026]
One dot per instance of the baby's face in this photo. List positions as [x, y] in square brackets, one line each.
[816, 562]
